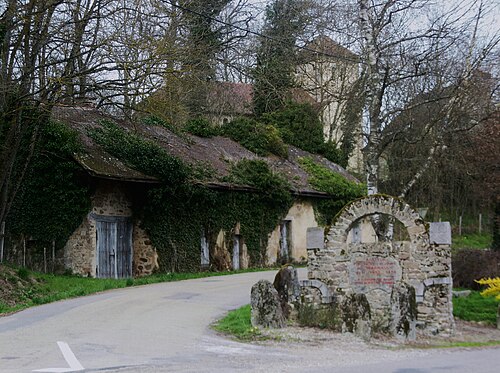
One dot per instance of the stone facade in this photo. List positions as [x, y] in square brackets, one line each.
[145, 256]
[109, 200]
[329, 81]
[300, 217]
[378, 269]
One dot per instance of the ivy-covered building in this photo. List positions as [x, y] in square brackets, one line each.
[155, 199]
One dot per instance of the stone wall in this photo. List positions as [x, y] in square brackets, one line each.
[379, 269]
[110, 199]
[145, 257]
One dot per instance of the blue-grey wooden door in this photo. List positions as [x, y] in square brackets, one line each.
[114, 248]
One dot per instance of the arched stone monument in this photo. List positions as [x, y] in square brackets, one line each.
[407, 282]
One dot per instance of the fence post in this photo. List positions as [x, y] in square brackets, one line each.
[2, 240]
[460, 225]
[480, 223]
[44, 259]
[24, 251]
[53, 256]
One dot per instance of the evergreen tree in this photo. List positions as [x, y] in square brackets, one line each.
[202, 45]
[276, 56]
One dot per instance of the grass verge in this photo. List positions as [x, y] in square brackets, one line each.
[237, 324]
[22, 288]
[472, 241]
[476, 308]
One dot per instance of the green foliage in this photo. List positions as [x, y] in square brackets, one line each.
[257, 173]
[276, 55]
[201, 127]
[176, 213]
[476, 308]
[300, 126]
[51, 202]
[330, 151]
[324, 317]
[141, 154]
[257, 137]
[23, 273]
[175, 222]
[238, 324]
[325, 180]
[199, 54]
[472, 241]
[351, 118]
[47, 288]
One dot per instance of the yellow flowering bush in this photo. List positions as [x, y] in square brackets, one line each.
[493, 286]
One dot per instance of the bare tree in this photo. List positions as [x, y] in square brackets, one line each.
[403, 60]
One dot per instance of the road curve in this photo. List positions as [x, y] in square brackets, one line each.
[164, 328]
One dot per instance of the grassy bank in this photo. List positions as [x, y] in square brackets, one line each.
[237, 323]
[20, 288]
[476, 308]
[472, 241]
[472, 308]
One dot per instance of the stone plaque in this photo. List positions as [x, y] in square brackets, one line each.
[315, 238]
[374, 272]
[440, 233]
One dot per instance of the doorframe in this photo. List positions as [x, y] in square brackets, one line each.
[113, 219]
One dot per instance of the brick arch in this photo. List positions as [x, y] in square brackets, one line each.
[379, 204]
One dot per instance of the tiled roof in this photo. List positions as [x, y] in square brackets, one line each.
[217, 153]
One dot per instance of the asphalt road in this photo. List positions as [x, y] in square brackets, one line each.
[165, 328]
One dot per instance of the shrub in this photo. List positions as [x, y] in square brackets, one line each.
[471, 264]
[23, 273]
[257, 137]
[326, 317]
[330, 151]
[257, 173]
[201, 127]
[493, 287]
[300, 126]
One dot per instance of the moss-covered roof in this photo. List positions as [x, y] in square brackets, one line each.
[218, 153]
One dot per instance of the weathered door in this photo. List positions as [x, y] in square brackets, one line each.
[285, 241]
[114, 248]
[236, 251]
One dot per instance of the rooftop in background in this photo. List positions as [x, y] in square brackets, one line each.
[326, 48]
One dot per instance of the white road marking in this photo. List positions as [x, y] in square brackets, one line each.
[69, 356]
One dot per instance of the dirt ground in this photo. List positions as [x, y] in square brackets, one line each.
[466, 332]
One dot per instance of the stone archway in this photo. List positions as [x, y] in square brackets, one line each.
[387, 272]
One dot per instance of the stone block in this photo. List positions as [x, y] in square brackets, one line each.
[315, 238]
[440, 233]
[266, 306]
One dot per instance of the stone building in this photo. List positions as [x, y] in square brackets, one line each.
[328, 72]
[325, 75]
[110, 241]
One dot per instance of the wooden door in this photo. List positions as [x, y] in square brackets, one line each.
[285, 241]
[114, 248]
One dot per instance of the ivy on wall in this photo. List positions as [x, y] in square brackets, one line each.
[176, 214]
[325, 180]
[176, 222]
[51, 202]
